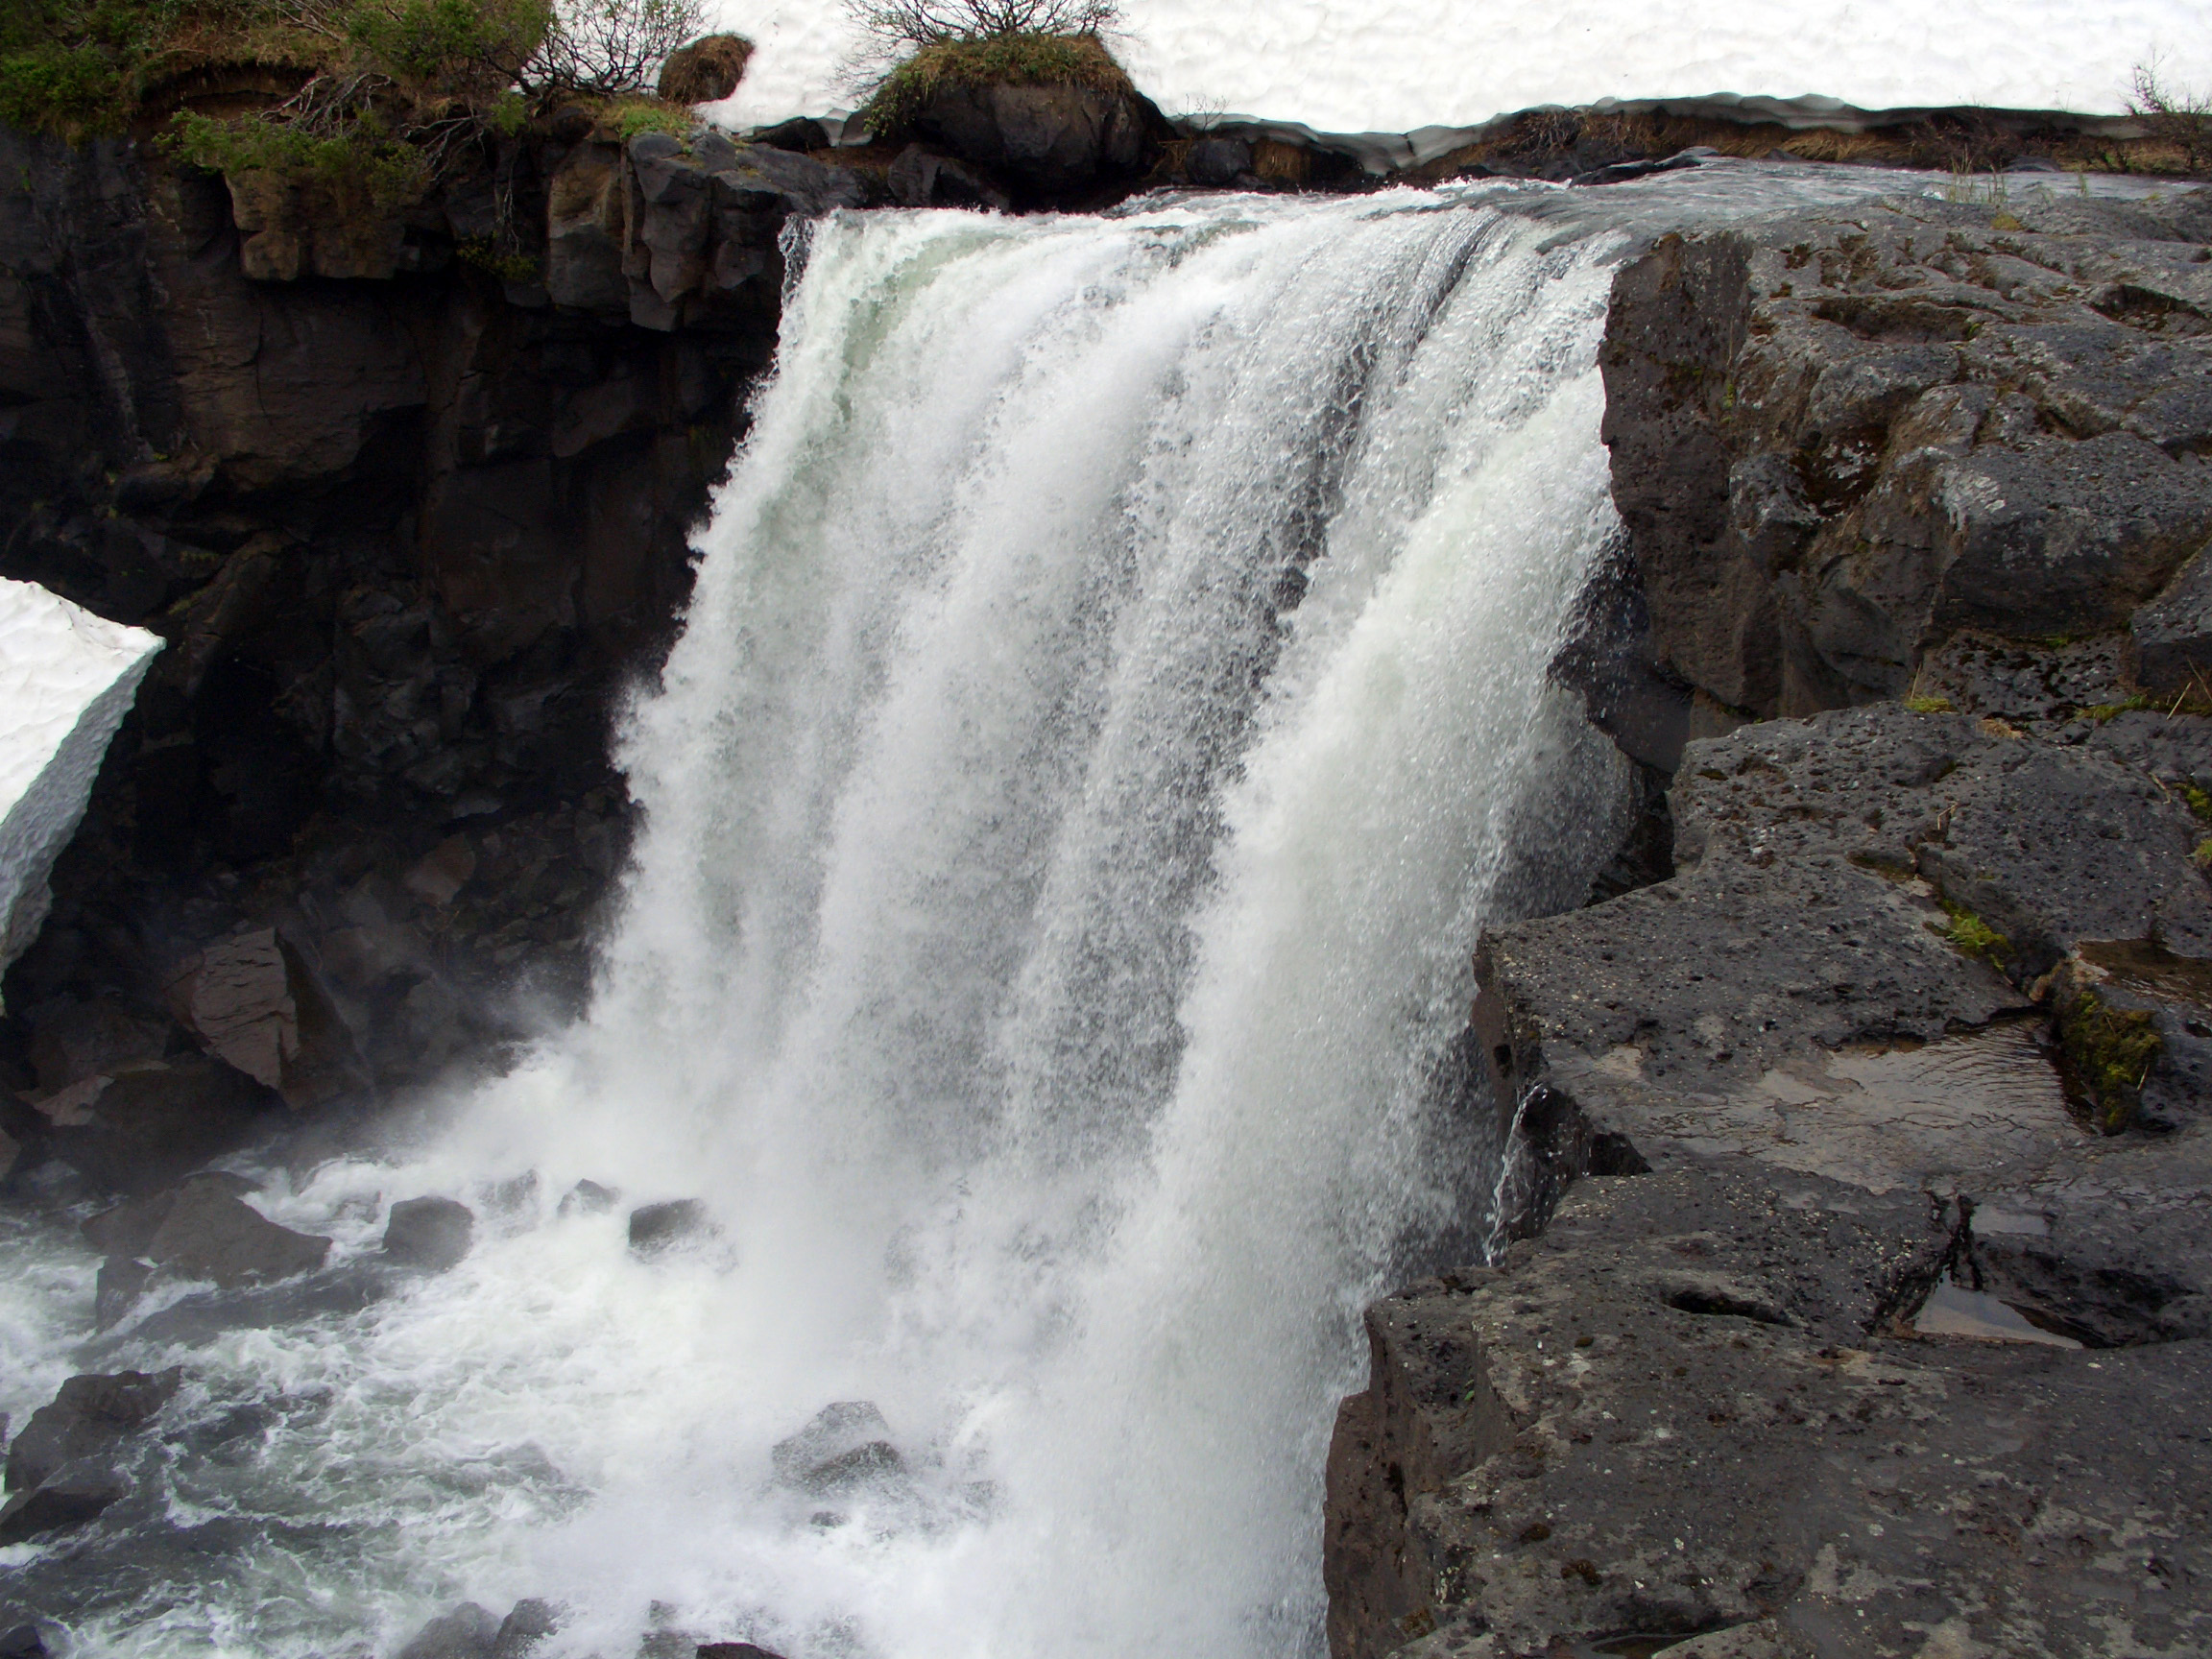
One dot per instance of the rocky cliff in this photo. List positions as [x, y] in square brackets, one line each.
[1863, 1302]
[410, 516]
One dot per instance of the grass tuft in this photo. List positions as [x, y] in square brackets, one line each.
[1011, 59]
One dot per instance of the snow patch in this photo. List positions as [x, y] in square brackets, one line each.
[1344, 67]
[66, 680]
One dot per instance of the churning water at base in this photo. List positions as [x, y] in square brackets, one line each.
[1113, 699]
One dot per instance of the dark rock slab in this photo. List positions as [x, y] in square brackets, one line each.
[68, 1498]
[202, 1229]
[88, 1418]
[1217, 163]
[467, 1632]
[2171, 635]
[433, 1234]
[150, 1125]
[1050, 138]
[1837, 1484]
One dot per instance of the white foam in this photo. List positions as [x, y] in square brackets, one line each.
[66, 680]
[1347, 66]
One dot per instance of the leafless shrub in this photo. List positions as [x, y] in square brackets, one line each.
[2172, 115]
[613, 46]
[895, 27]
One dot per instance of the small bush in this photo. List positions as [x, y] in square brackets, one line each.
[2173, 116]
[613, 46]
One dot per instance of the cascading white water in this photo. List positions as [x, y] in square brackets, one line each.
[1113, 699]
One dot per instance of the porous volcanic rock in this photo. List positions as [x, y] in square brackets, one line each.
[1839, 438]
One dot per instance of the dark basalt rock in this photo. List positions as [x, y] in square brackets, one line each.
[146, 1127]
[88, 1418]
[433, 1234]
[658, 1227]
[202, 1230]
[587, 1198]
[1046, 138]
[1216, 162]
[467, 1632]
[845, 1447]
[921, 177]
[68, 1498]
[1839, 440]
[1668, 1470]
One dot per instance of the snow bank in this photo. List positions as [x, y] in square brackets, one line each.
[1353, 66]
[66, 679]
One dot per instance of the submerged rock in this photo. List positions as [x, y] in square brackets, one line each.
[429, 1233]
[90, 1416]
[69, 1497]
[467, 1632]
[845, 1448]
[587, 1198]
[658, 1227]
[201, 1229]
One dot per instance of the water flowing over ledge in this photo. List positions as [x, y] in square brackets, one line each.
[1113, 695]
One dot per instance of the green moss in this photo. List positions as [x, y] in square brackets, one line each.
[651, 115]
[485, 255]
[2198, 801]
[1970, 937]
[2110, 1053]
[1019, 59]
[2203, 854]
[1930, 705]
[358, 168]
[2104, 711]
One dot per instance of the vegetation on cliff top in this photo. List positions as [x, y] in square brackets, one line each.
[930, 44]
[380, 88]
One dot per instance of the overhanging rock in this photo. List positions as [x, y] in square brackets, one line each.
[66, 680]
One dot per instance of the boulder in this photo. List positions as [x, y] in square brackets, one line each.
[726, 1650]
[658, 1227]
[1217, 163]
[528, 1622]
[149, 1126]
[801, 134]
[706, 71]
[252, 1001]
[1048, 138]
[433, 1234]
[847, 1447]
[587, 1198]
[202, 1230]
[67, 1498]
[72, 1040]
[467, 1632]
[2170, 638]
[924, 178]
[89, 1417]
[23, 1641]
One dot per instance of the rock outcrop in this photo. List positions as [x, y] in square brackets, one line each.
[1860, 1298]
[1839, 441]
[406, 527]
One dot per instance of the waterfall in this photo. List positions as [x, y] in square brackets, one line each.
[1112, 700]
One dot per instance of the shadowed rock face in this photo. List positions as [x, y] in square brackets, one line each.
[405, 532]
